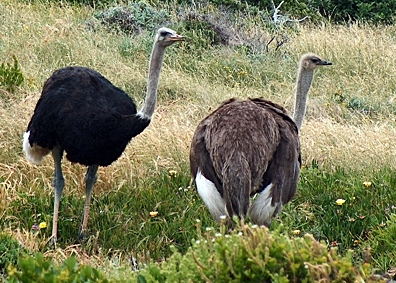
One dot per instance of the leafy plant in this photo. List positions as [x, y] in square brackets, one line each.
[133, 18]
[40, 270]
[253, 254]
[11, 75]
[382, 243]
[10, 250]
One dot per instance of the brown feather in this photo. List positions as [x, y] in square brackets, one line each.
[238, 159]
[251, 147]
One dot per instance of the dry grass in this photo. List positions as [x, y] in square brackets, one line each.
[347, 146]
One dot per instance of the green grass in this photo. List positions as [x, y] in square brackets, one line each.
[366, 209]
[120, 219]
[347, 139]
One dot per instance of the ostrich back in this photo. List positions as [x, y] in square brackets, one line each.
[86, 115]
[247, 145]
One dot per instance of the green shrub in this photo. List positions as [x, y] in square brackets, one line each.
[10, 75]
[133, 18]
[366, 10]
[40, 270]
[10, 250]
[201, 32]
[252, 254]
[337, 11]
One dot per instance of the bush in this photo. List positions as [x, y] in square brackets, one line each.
[40, 270]
[366, 11]
[10, 75]
[133, 18]
[337, 11]
[251, 254]
[10, 250]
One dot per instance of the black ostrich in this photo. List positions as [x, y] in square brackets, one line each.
[85, 115]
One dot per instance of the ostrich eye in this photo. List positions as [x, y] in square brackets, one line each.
[165, 33]
[314, 60]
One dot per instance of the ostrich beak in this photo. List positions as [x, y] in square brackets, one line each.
[325, 63]
[176, 37]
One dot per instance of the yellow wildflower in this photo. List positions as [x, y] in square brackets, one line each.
[172, 173]
[296, 232]
[12, 270]
[367, 184]
[43, 225]
[340, 201]
[153, 213]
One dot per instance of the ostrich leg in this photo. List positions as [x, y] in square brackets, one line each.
[58, 183]
[90, 179]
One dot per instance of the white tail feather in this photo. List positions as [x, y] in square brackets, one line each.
[261, 211]
[210, 196]
[34, 154]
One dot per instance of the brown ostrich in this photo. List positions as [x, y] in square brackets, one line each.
[251, 148]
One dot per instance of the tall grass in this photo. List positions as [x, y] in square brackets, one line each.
[348, 136]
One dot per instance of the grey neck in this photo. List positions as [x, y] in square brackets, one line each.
[156, 60]
[304, 81]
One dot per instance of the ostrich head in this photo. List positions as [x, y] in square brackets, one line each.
[310, 61]
[166, 37]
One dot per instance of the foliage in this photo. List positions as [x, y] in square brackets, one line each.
[202, 31]
[252, 254]
[133, 18]
[346, 225]
[10, 75]
[378, 12]
[382, 243]
[336, 11]
[40, 270]
[10, 251]
[121, 212]
[365, 11]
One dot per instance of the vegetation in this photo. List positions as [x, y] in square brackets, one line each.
[376, 12]
[10, 251]
[39, 269]
[10, 75]
[145, 206]
[252, 254]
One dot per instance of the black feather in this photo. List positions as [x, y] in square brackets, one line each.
[86, 115]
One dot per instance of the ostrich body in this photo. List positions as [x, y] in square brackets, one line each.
[82, 113]
[251, 148]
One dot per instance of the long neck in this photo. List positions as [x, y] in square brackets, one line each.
[304, 80]
[156, 59]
